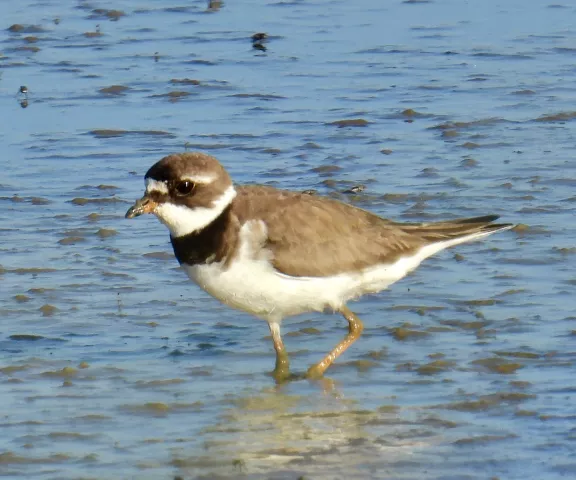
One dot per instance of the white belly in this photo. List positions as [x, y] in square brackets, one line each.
[255, 287]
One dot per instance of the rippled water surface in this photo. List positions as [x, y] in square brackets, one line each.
[114, 366]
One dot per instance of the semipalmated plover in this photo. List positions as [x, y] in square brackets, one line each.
[275, 253]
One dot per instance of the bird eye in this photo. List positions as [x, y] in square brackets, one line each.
[184, 188]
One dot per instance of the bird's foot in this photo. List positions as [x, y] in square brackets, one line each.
[315, 372]
[281, 375]
[281, 372]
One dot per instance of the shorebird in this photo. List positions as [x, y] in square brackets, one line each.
[276, 253]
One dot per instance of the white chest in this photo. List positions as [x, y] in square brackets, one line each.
[254, 286]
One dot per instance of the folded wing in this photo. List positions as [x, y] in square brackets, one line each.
[316, 236]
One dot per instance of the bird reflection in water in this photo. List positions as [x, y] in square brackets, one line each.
[278, 431]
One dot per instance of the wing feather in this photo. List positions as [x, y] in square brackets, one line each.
[317, 236]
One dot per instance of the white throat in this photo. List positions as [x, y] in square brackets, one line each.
[182, 220]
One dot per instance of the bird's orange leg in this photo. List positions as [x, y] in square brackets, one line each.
[281, 371]
[355, 328]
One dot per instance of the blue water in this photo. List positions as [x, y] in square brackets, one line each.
[133, 372]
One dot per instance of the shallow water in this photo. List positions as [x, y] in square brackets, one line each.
[113, 365]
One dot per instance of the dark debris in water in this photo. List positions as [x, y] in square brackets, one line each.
[403, 333]
[485, 122]
[176, 353]
[498, 365]
[32, 200]
[25, 48]
[484, 439]
[161, 408]
[557, 117]
[481, 302]
[303, 331]
[258, 96]
[71, 240]
[20, 28]
[362, 366]
[259, 40]
[487, 402]
[467, 324]
[23, 337]
[184, 81]
[564, 250]
[113, 15]
[410, 112]
[259, 37]
[20, 298]
[523, 229]
[65, 372]
[10, 458]
[173, 95]
[436, 366]
[114, 90]
[110, 133]
[106, 232]
[152, 384]
[28, 271]
[326, 169]
[214, 6]
[353, 122]
[48, 310]
[518, 354]
[98, 201]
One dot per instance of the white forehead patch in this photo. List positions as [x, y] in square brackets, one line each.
[156, 186]
[200, 178]
[182, 220]
[162, 187]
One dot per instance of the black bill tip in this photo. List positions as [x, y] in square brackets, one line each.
[144, 205]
